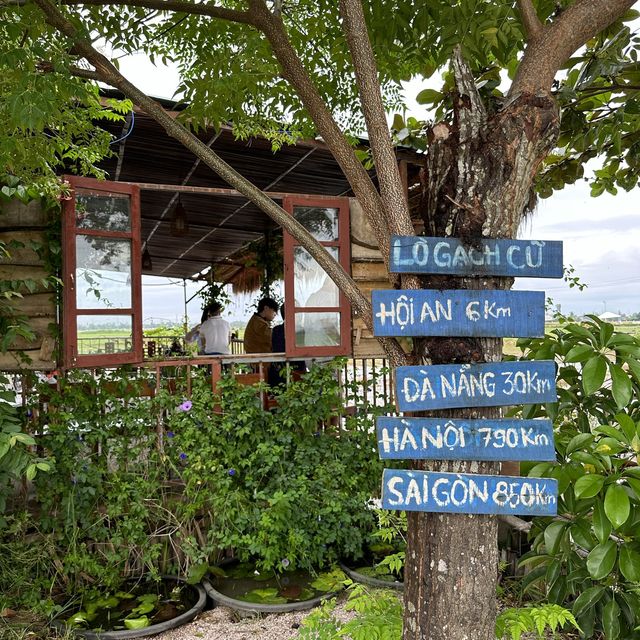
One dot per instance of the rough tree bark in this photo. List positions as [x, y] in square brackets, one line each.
[477, 183]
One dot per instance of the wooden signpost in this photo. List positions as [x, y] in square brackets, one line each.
[458, 313]
[468, 313]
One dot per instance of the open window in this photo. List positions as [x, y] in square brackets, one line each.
[101, 273]
[318, 315]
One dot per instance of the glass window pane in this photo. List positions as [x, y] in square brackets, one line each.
[103, 211]
[103, 273]
[104, 334]
[321, 222]
[317, 329]
[312, 286]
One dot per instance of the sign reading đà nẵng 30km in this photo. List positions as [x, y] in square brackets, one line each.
[494, 384]
[488, 313]
[481, 256]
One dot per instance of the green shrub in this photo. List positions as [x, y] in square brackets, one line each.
[161, 484]
[589, 556]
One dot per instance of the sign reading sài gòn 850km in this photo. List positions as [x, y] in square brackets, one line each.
[468, 493]
[459, 312]
[481, 256]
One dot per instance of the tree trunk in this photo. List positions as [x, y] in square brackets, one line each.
[477, 183]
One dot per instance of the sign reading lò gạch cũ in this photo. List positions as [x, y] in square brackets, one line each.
[464, 439]
[460, 312]
[468, 493]
[481, 256]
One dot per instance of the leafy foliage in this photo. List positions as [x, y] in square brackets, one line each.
[16, 458]
[137, 477]
[512, 623]
[589, 556]
[378, 617]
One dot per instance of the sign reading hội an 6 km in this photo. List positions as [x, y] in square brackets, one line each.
[482, 256]
[426, 312]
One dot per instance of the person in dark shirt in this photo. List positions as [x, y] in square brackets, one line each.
[276, 370]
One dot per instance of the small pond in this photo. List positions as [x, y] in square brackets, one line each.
[373, 571]
[242, 586]
[140, 605]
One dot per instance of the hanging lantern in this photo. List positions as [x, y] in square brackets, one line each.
[179, 222]
[147, 265]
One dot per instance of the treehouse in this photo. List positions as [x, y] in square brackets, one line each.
[162, 212]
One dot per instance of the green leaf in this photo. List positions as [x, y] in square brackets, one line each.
[553, 536]
[586, 600]
[428, 96]
[578, 442]
[620, 385]
[601, 560]
[136, 623]
[629, 563]
[627, 424]
[589, 485]
[611, 620]
[580, 353]
[601, 524]
[593, 374]
[617, 505]
[31, 471]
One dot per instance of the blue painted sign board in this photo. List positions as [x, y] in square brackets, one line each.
[428, 312]
[484, 256]
[462, 439]
[447, 386]
[468, 493]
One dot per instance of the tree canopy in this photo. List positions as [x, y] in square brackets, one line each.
[230, 74]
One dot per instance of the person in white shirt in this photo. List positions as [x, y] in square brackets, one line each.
[214, 332]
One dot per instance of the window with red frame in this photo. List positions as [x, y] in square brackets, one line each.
[101, 274]
[318, 315]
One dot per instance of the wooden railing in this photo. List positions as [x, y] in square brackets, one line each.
[366, 381]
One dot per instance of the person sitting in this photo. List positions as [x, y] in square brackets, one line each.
[257, 335]
[193, 336]
[278, 345]
[212, 334]
[215, 332]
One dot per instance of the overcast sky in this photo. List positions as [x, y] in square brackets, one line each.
[600, 235]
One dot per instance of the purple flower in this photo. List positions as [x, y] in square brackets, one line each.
[186, 405]
[232, 472]
[183, 456]
[170, 434]
[285, 562]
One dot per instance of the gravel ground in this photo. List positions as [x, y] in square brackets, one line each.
[221, 624]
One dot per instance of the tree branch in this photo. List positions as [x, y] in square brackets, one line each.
[532, 25]
[294, 72]
[575, 26]
[87, 74]
[108, 73]
[391, 188]
[177, 6]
